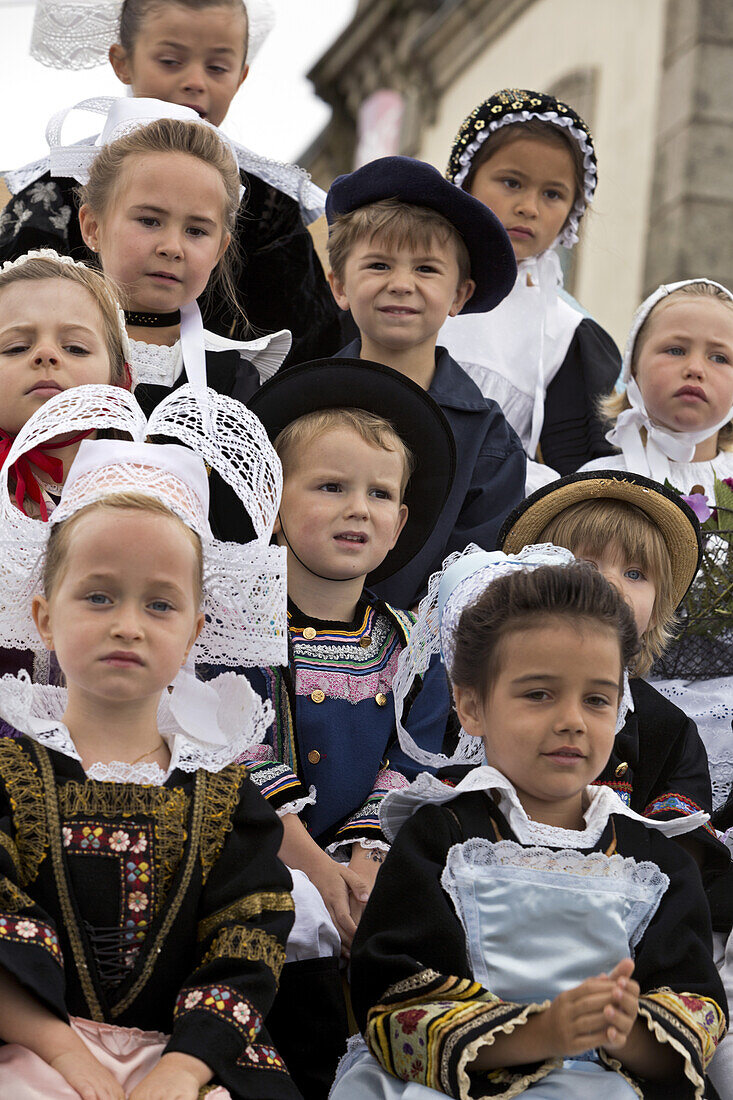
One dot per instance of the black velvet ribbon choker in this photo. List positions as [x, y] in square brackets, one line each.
[152, 320]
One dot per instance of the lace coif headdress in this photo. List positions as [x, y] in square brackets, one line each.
[244, 585]
[463, 578]
[662, 444]
[512, 105]
[77, 34]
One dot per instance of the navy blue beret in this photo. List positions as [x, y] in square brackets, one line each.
[493, 267]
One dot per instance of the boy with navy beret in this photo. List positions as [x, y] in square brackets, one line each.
[408, 249]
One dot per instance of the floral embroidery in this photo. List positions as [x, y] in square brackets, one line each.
[22, 930]
[699, 1019]
[262, 1057]
[223, 1002]
[137, 888]
[409, 1020]
[44, 193]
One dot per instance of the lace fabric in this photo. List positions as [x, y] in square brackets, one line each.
[642, 884]
[238, 719]
[244, 585]
[709, 703]
[162, 365]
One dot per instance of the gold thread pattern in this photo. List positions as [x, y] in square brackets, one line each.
[240, 942]
[25, 790]
[62, 886]
[222, 796]
[152, 952]
[243, 909]
[167, 807]
[12, 898]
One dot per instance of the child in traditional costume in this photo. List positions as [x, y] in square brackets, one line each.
[192, 57]
[368, 460]
[408, 250]
[674, 423]
[530, 158]
[144, 910]
[645, 540]
[529, 933]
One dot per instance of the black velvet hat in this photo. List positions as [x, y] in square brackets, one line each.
[493, 267]
[418, 420]
[676, 521]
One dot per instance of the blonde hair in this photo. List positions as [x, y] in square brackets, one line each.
[397, 225]
[167, 135]
[592, 527]
[611, 407]
[373, 429]
[48, 267]
[58, 542]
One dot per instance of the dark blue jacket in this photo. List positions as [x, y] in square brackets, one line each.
[489, 481]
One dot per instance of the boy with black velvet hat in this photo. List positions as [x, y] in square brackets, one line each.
[407, 250]
[368, 462]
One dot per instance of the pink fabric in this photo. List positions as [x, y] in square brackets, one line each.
[127, 1053]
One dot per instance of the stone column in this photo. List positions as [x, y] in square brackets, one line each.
[691, 206]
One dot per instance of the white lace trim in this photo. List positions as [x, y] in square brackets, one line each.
[244, 584]
[162, 364]
[399, 805]
[642, 883]
[338, 849]
[709, 703]
[298, 804]
[569, 235]
[237, 720]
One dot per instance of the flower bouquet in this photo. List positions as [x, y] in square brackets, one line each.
[703, 644]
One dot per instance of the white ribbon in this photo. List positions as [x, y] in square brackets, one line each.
[662, 444]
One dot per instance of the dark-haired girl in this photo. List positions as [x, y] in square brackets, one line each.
[528, 932]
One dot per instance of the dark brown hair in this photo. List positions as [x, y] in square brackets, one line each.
[524, 599]
[537, 130]
[133, 14]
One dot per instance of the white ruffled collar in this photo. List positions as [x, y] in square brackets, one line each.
[162, 364]
[204, 724]
[400, 805]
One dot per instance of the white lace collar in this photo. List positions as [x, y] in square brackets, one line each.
[399, 805]
[235, 719]
[162, 365]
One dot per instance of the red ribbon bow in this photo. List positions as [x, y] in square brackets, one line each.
[26, 484]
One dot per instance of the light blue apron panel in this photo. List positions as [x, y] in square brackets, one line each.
[364, 1079]
[539, 922]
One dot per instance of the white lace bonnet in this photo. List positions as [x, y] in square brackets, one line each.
[77, 34]
[244, 584]
[662, 444]
[465, 575]
[50, 255]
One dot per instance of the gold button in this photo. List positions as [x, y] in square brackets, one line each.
[622, 769]
[309, 633]
[381, 699]
[318, 696]
[314, 756]
[366, 641]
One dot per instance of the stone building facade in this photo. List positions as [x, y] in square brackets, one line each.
[653, 78]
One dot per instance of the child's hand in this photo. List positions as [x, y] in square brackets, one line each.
[599, 1012]
[365, 862]
[176, 1077]
[87, 1076]
[338, 885]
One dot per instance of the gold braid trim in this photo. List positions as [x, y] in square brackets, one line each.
[241, 942]
[11, 848]
[222, 796]
[25, 790]
[253, 905]
[152, 949]
[12, 898]
[68, 914]
[168, 809]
